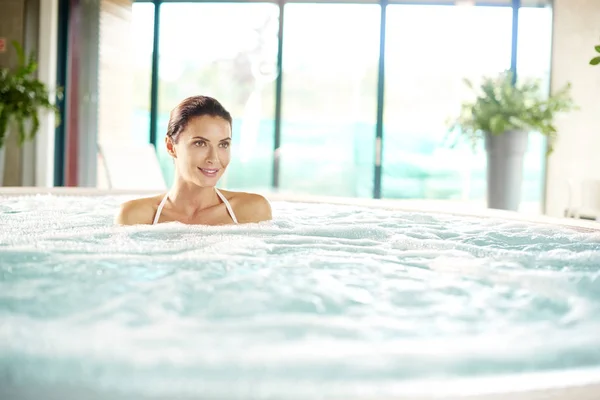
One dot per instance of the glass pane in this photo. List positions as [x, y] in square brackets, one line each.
[227, 51]
[533, 61]
[536, 3]
[124, 78]
[143, 34]
[535, 44]
[424, 88]
[329, 104]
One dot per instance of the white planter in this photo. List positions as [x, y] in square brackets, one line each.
[505, 155]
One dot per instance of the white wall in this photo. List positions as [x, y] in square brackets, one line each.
[116, 75]
[577, 152]
[47, 59]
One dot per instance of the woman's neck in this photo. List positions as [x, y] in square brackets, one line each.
[191, 198]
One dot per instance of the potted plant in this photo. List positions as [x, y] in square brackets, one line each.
[22, 96]
[502, 115]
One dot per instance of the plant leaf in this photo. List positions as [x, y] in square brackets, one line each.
[597, 48]
[500, 106]
[35, 124]
[497, 124]
[468, 83]
[20, 128]
[20, 52]
[23, 97]
[595, 61]
[3, 124]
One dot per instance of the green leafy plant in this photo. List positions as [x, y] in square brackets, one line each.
[21, 97]
[596, 60]
[502, 106]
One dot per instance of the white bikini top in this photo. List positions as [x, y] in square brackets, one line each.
[223, 199]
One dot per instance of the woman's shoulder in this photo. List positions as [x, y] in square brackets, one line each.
[249, 207]
[138, 211]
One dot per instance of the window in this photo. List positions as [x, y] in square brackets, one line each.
[429, 50]
[227, 51]
[329, 92]
[124, 82]
[329, 100]
[533, 61]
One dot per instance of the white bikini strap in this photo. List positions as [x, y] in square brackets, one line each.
[160, 207]
[229, 209]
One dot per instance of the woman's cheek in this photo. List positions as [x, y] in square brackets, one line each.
[226, 156]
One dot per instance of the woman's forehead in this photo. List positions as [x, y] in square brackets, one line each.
[208, 126]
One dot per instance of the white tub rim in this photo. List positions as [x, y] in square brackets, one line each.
[445, 207]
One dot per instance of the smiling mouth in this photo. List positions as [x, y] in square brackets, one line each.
[210, 172]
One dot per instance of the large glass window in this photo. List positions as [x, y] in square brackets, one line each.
[329, 96]
[329, 101]
[533, 62]
[227, 51]
[429, 50]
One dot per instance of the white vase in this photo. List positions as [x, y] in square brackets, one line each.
[505, 154]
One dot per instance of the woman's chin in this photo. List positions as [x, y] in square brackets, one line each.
[208, 181]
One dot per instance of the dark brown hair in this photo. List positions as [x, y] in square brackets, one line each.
[195, 106]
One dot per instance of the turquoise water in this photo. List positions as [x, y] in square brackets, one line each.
[338, 301]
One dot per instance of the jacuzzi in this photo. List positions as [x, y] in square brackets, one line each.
[333, 299]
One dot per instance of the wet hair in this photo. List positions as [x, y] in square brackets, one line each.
[195, 106]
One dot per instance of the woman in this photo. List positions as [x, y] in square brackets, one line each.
[199, 140]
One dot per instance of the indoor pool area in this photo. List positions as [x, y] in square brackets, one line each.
[299, 200]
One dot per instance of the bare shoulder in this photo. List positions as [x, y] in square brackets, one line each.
[249, 207]
[137, 211]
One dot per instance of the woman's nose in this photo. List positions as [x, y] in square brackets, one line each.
[212, 157]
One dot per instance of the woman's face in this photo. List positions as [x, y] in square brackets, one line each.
[202, 152]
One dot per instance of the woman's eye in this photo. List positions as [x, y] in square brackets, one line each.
[225, 145]
[200, 143]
